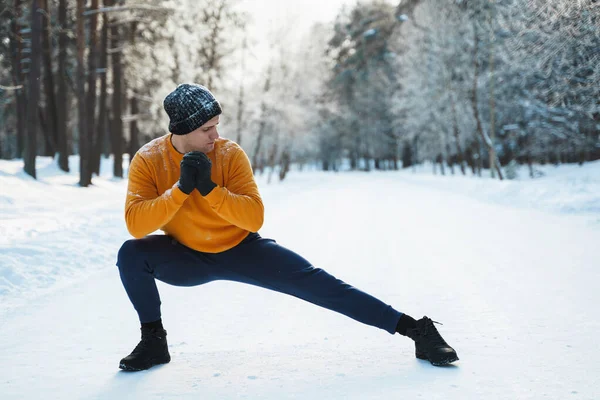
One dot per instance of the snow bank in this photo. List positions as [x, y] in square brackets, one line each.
[52, 231]
[569, 189]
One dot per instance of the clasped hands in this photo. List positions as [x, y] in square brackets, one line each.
[195, 173]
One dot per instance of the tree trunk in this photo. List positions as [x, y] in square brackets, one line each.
[240, 110]
[133, 127]
[484, 137]
[16, 47]
[61, 106]
[34, 88]
[357, 152]
[285, 164]
[90, 115]
[479, 155]
[210, 48]
[459, 152]
[51, 128]
[42, 126]
[448, 151]
[117, 122]
[257, 147]
[240, 114]
[440, 159]
[353, 160]
[84, 174]
[470, 158]
[415, 153]
[271, 160]
[176, 70]
[102, 112]
[263, 125]
[2, 137]
[492, 151]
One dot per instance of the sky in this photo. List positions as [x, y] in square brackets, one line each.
[298, 15]
[268, 13]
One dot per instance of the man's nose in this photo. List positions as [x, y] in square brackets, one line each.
[214, 135]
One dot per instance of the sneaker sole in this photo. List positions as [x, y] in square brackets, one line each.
[438, 363]
[153, 363]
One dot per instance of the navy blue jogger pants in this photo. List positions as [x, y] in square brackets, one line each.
[257, 261]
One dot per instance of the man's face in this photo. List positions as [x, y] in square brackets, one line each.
[203, 138]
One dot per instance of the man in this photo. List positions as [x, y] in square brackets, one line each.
[199, 189]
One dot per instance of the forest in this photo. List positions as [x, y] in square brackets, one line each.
[466, 85]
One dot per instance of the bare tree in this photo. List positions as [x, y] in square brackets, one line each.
[16, 49]
[240, 103]
[90, 102]
[455, 131]
[84, 173]
[474, 104]
[100, 136]
[62, 113]
[33, 88]
[117, 121]
[50, 133]
[216, 20]
[256, 162]
[134, 109]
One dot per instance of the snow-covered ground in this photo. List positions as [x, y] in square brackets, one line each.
[511, 268]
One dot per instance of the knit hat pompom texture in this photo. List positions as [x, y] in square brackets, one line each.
[189, 107]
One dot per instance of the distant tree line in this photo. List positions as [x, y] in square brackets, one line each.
[85, 77]
[464, 84]
[60, 56]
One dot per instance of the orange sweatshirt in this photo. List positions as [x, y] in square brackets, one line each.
[210, 224]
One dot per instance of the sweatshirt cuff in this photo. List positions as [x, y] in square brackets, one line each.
[178, 195]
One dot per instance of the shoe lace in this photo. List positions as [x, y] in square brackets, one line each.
[432, 333]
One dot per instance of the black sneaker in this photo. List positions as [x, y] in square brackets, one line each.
[430, 345]
[150, 351]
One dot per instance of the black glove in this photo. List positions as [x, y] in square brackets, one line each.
[187, 178]
[203, 166]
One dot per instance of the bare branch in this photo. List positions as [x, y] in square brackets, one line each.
[11, 88]
[133, 7]
[129, 20]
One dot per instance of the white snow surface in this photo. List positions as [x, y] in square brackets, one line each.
[511, 268]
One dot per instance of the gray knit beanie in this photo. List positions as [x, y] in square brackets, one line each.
[189, 107]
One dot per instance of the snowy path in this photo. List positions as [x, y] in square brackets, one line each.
[517, 290]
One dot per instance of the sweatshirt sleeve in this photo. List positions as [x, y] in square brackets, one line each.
[146, 210]
[239, 202]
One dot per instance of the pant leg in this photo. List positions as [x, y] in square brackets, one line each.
[141, 261]
[262, 262]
